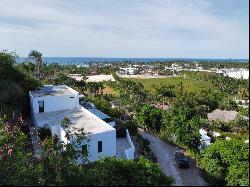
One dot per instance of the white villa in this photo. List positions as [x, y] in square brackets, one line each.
[51, 104]
[128, 71]
[235, 73]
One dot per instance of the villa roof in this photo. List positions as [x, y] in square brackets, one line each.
[80, 118]
[98, 113]
[222, 115]
[55, 91]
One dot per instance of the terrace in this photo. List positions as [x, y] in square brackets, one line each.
[125, 147]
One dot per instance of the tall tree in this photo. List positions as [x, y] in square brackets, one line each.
[38, 58]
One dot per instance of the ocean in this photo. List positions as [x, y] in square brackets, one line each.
[87, 60]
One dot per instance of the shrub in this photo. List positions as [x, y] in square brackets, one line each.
[44, 133]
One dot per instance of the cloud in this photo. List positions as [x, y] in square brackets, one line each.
[131, 28]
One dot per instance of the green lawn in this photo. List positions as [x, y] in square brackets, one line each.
[189, 85]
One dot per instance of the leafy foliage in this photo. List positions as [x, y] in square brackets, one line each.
[227, 162]
[18, 166]
[14, 85]
[150, 117]
[111, 172]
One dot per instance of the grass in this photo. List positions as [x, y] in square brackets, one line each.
[189, 85]
[109, 90]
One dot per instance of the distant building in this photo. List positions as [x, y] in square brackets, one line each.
[205, 139]
[173, 67]
[235, 73]
[222, 115]
[128, 71]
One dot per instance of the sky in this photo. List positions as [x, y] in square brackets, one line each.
[126, 28]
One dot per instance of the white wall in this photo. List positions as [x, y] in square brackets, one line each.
[108, 145]
[64, 102]
[112, 123]
[56, 103]
[238, 74]
[129, 153]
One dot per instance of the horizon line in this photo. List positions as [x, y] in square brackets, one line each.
[142, 57]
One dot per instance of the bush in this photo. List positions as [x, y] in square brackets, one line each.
[120, 130]
[144, 148]
[226, 162]
[113, 172]
[44, 133]
[132, 127]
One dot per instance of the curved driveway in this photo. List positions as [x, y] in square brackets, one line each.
[164, 153]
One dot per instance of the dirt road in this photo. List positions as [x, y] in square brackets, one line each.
[165, 157]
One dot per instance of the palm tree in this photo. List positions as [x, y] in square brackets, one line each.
[38, 58]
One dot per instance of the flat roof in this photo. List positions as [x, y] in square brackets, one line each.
[222, 115]
[80, 118]
[56, 91]
[98, 113]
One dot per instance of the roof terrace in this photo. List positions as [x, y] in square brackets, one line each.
[80, 118]
[53, 91]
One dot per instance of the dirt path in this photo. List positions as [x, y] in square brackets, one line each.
[165, 157]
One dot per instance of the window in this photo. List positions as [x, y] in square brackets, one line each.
[99, 146]
[41, 106]
[84, 149]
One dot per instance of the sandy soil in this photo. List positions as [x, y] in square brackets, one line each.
[145, 76]
[100, 78]
[108, 90]
[165, 157]
[93, 78]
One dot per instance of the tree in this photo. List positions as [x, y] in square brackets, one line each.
[38, 58]
[243, 93]
[110, 172]
[180, 88]
[166, 91]
[226, 162]
[150, 117]
[15, 157]
[14, 85]
[57, 164]
[26, 67]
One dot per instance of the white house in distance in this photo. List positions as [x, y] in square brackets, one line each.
[128, 71]
[235, 73]
[51, 104]
[205, 139]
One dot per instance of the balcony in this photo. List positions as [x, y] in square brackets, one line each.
[125, 147]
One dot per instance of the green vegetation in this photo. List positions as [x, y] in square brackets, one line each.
[189, 98]
[227, 163]
[19, 166]
[189, 85]
[150, 118]
[14, 85]
[188, 110]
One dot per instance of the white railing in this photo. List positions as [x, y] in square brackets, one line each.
[129, 153]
